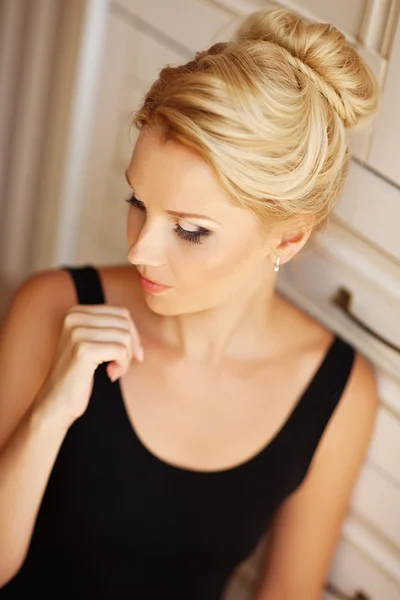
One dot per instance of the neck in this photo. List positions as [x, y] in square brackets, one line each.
[234, 329]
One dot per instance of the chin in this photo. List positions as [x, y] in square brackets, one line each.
[161, 306]
[169, 308]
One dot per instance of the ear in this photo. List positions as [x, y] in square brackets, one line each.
[291, 242]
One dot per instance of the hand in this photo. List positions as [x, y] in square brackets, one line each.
[91, 335]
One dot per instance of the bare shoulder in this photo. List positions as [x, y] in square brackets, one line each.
[298, 322]
[29, 334]
[308, 338]
[46, 290]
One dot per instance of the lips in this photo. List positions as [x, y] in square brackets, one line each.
[152, 286]
[152, 281]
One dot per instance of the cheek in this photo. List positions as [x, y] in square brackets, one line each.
[218, 261]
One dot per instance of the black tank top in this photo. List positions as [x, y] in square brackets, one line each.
[117, 522]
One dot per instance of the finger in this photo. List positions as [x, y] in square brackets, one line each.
[116, 368]
[121, 311]
[100, 309]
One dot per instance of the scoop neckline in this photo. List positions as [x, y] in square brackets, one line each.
[246, 463]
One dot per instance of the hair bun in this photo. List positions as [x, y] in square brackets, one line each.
[320, 51]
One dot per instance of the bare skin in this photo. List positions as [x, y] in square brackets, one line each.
[204, 418]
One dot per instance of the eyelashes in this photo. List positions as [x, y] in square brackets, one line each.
[194, 237]
[135, 202]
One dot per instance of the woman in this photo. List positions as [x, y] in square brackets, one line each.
[156, 477]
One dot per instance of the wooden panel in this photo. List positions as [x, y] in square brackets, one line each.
[192, 24]
[377, 499]
[384, 450]
[371, 207]
[347, 16]
[384, 155]
[389, 392]
[379, 25]
[360, 141]
[352, 570]
[105, 129]
[145, 57]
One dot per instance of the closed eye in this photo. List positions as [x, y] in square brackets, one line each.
[135, 202]
[195, 237]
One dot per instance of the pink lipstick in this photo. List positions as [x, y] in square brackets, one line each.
[151, 286]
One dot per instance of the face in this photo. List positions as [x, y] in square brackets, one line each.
[184, 232]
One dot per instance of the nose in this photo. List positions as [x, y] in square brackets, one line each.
[147, 250]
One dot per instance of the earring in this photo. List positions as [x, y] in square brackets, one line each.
[276, 267]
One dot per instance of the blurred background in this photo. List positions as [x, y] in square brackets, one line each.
[72, 73]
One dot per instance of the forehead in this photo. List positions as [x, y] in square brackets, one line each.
[177, 174]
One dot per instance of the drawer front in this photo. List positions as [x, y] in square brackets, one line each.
[352, 571]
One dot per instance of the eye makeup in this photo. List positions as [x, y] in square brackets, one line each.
[194, 237]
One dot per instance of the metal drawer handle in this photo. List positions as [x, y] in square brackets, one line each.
[342, 299]
[358, 595]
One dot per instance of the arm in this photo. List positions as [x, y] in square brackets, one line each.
[305, 530]
[26, 461]
[29, 438]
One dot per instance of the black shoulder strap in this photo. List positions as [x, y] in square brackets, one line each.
[89, 289]
[324, 394]
[332, 378]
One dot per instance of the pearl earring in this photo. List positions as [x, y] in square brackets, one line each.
[276, 267]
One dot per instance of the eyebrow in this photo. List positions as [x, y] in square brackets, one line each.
[173, 212]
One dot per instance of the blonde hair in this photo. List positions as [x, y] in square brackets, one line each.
[268, 111]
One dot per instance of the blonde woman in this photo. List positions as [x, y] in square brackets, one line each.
[158, 418]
